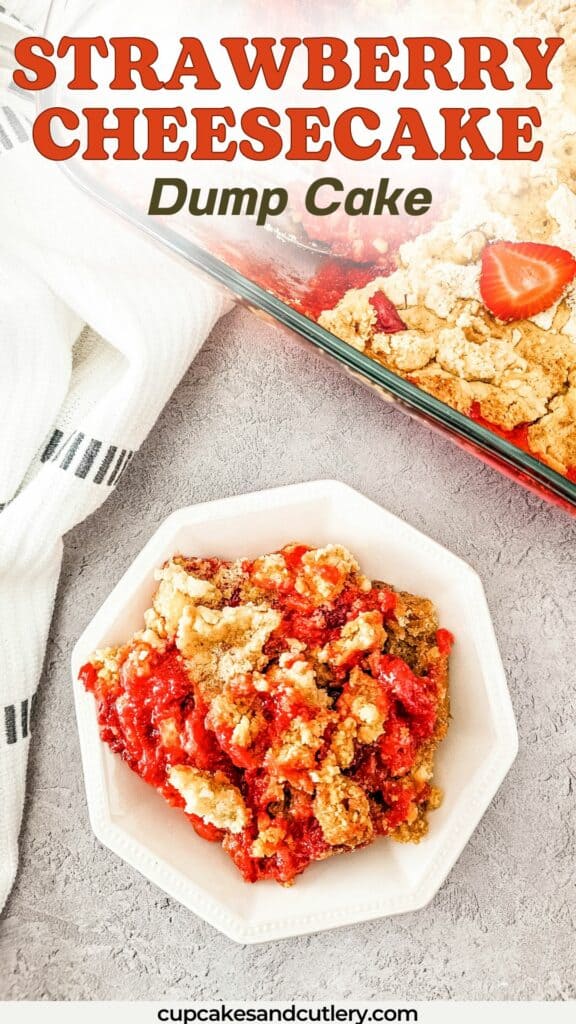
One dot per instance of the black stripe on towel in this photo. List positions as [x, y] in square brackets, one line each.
[117, 467]
[24, 718]
[106, 463]
[61, 447]
[18, 721]
[14, 18]
[5, 139]
[10, 725]
[73, 447]
[52, 445]
[87, 457]
[129, 458]
[32, 712]
[87, 460]
[15, 124]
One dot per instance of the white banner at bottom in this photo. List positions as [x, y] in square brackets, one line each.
[436, 1012]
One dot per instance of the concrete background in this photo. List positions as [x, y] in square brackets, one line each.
[255, 411]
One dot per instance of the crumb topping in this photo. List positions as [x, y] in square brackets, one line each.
[290, 706]
[517, 377]
[210, 797]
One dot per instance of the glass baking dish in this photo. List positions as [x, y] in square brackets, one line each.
[269, 271]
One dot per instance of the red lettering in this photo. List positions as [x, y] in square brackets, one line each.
[122, 132]
[410, 132]
[538, 62]
[476, 65]
[208, 132]
[420, 66]
[303, 132]
[82, 49]
[42, 133]
[371, 62]
[43, 69]
[161, 131]
[193, 62]
[319, 60]
[458, 130]
[264, 62]
[259, 125]
[513, 133]
[127, 65]
[344, 137]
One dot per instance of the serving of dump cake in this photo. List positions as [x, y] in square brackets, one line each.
[288, 705]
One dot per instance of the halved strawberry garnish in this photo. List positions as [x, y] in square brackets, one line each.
[521, 279]
[387, 319]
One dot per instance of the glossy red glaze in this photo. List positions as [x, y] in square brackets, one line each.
[153, 715]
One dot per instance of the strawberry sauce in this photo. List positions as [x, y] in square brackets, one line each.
[153, 712]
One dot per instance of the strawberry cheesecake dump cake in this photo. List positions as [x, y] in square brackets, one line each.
[288, 705]
[480, 309]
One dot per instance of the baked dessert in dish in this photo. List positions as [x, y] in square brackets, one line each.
[480, 310]
[288, 705]
[514, 375]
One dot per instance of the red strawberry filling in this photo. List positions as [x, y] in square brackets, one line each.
[387, 319]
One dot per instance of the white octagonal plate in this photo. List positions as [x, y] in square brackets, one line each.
[387, 878]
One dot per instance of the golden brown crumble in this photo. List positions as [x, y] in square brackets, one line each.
[291, 707]
[513, 375]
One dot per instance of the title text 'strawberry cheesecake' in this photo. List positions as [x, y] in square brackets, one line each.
[288, 705]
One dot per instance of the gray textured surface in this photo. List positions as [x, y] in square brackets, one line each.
[257, 411]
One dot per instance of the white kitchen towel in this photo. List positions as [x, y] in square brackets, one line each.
[71, 415]
[32, 13]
